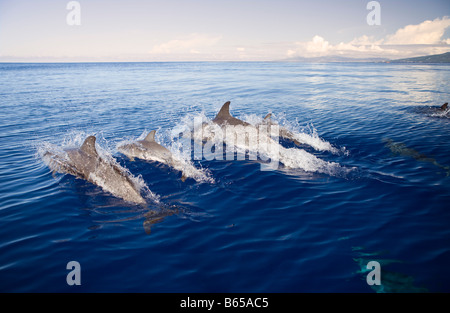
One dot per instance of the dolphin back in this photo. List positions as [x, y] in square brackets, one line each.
[88, 146]
[224, 117]
[224, 112]
[151, 136]
[84, 159]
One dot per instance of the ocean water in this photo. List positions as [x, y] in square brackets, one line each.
[370, 181]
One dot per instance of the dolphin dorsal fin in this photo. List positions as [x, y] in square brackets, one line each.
[268, 117]
[444, 106]
[88, 146]
[151, 136]
[224, 111]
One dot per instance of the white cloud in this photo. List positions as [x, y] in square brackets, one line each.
[412, 40]
[428, 32]
[318, 47]
[365, 41]
[194, 44]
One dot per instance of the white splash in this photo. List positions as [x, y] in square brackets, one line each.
[304, 135]
[181, 161]
[294, 158]
[441, 113]
[56, 158]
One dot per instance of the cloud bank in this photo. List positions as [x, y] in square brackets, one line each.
[82, 45]
[411, 40]
[426, 33]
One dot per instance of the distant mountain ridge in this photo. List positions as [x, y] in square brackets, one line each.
[435, 58]
[335, 59]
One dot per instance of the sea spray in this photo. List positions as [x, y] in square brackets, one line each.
[178, 159]
[307, 135]
[56, 158]
[233, 141]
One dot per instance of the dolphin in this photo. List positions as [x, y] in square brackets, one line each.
[148, 149]
[300, 138]
[246, 137]
[391, 282]
[439, 109]
[85, 163]
[399, 148]
[225, 118]
[153, 217]
[283, 132]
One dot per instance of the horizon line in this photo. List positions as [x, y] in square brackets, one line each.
[343, 59]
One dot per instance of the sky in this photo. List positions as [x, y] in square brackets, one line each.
[220, 30]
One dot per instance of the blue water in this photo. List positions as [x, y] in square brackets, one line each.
[250, 231]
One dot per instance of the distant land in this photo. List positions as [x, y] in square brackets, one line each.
[436, 58]
[335, 58]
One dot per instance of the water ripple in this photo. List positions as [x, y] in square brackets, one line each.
[251, 231]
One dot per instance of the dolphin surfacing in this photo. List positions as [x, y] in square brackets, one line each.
[225, 118]
[87, 164]
[149, 150]
[283, 132]
[400, 149]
